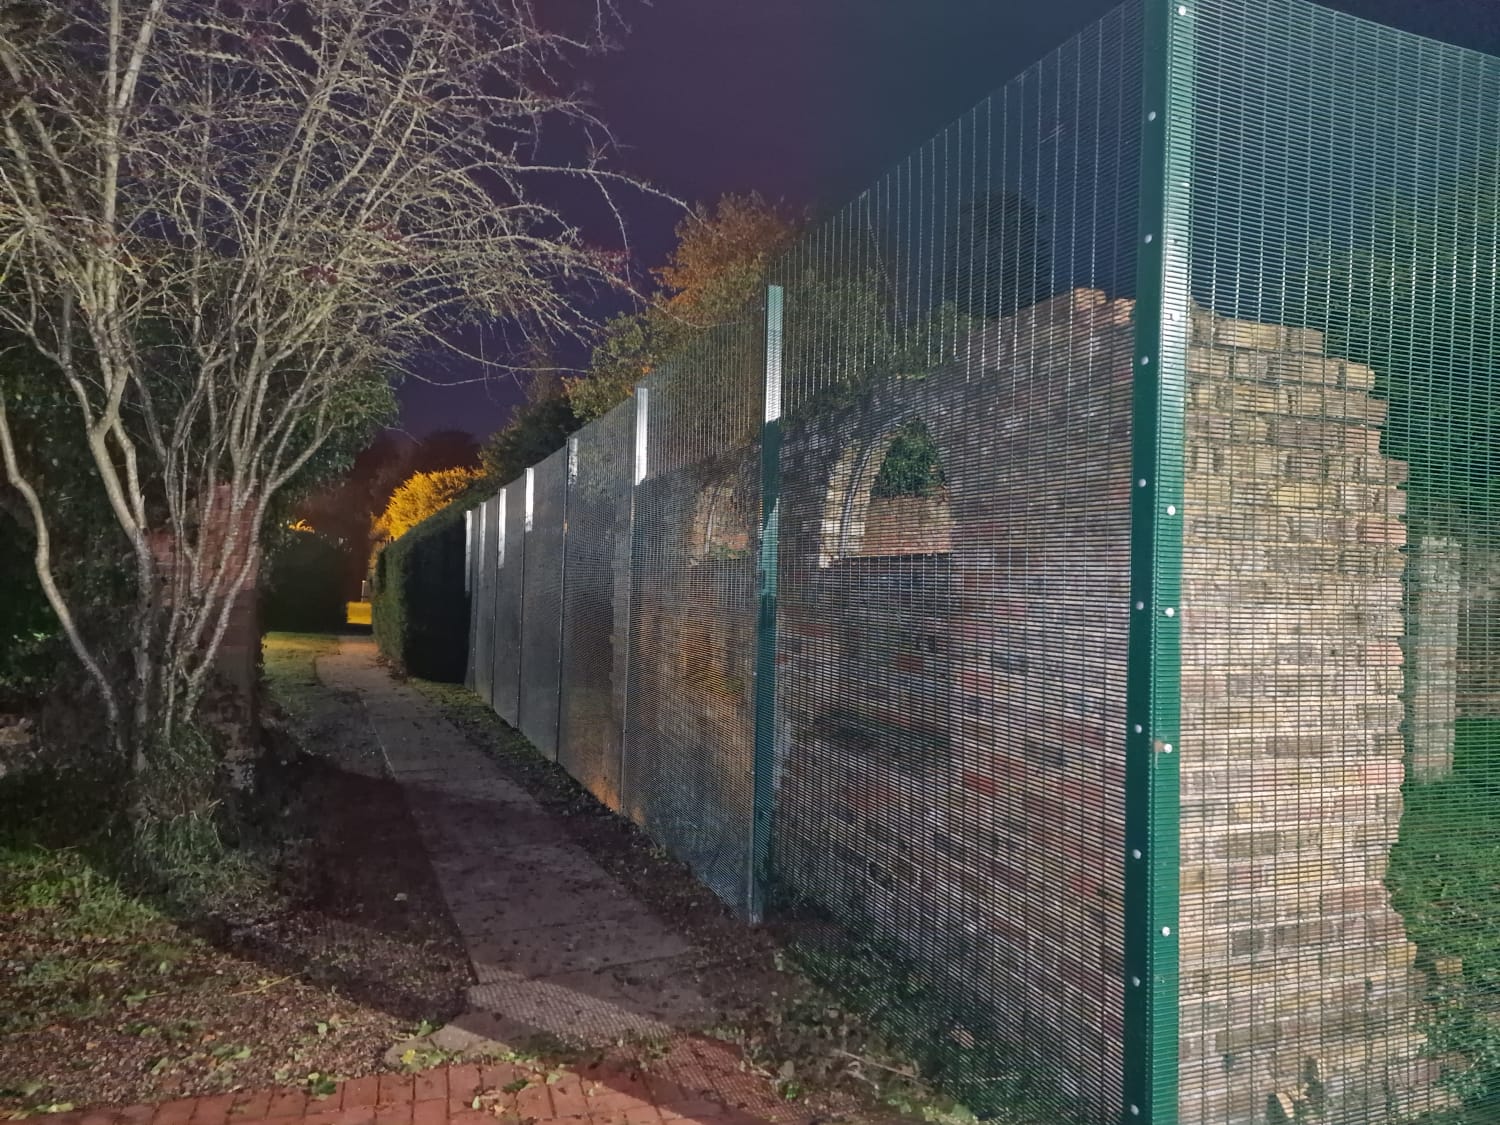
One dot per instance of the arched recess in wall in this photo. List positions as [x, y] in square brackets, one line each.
[888, 498]
[720, 528]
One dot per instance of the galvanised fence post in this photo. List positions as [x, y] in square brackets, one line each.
[765, 633]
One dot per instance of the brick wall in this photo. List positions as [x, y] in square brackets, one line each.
[951, 678]
[1297, 988]
[952, 690]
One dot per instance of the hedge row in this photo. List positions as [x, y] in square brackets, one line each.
[305, 589]
[421, 613]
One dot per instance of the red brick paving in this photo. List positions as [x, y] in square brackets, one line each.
[358, 1092]
[595, 1095]
[212, 1111]
[431, 1085]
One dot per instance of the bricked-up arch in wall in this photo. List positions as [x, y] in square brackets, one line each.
[861, 520]
[720, 527]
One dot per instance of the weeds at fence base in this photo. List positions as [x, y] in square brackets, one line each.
[955, 1047]
[1443, 878]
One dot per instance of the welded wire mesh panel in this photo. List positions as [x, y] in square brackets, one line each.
[1340, 920]
[690, 731]
[596, 612]
[542, 622]
[954, 582]
[471, 591]
[486, 534]
[509, 607]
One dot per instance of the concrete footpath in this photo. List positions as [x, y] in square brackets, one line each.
[558, 948]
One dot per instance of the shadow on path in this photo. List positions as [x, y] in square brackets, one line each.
[558, 948]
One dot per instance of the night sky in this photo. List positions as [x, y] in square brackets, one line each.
[809, 100]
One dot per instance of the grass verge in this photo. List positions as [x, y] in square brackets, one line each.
[111, 995]
[1445, 881]
[289, 663]
[106, 998]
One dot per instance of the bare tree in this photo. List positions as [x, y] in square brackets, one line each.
[223, 223]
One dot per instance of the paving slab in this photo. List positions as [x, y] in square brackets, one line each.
[558, 947]
[549, 951]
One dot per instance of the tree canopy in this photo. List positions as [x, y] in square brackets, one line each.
[227, 227]
[539, 426]
[1420, 305]
[422, 495]
[722, 257]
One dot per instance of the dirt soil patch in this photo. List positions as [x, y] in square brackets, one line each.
[334, 945]
[367, 916]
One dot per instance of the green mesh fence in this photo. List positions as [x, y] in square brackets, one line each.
[689, 733]
[596, 621]
[1340, 888]
[510, 588]
[542, 618]
[1067, 605]
[472, 676]
[486, 537]
[954, 576]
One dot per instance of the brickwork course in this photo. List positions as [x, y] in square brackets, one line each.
[488, 1094]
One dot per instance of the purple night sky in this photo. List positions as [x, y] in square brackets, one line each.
[808, 100]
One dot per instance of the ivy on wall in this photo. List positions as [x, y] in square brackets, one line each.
[911, 466]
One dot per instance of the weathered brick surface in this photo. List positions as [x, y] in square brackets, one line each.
[952, 687]
[690, 718]
[1477, 664]
[1297, 988]
[951, 682]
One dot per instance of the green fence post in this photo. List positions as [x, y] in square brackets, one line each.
[1154, 678]
[763, 795]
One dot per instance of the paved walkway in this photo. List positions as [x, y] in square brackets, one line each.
[558, 948]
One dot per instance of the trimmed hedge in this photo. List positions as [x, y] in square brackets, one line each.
[305, 588]
[421, 613]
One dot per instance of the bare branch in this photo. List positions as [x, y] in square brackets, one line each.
[221, 220]
[42, 556]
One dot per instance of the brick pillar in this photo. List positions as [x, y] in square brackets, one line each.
[1298, 992]
[1432, 655]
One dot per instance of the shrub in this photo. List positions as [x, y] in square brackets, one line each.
[305, 585]
[911, 466]
[30, 645]
[421, 612]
